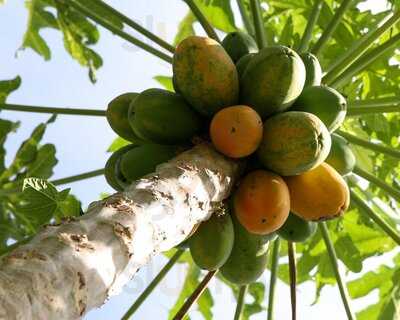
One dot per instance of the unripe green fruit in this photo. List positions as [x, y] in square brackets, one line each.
[212, 243]
[249, 255]
[313, 69]
[341, 156]
[296, 229]
[163, 117]
[112, 172]
[117, 116]
[144, 159]
[324, 102]
[237, 44]
[243, 62]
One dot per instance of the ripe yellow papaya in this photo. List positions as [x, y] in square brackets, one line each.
[236, 131]
[262, 202]
[319, 194]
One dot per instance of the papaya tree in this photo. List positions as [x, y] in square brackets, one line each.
[280, 125]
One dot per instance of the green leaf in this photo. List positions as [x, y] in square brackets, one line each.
[118, 143]
[165, 81]
[40, 201]
[6, 127]
[219, 13]
[39, 18]
[28, 153]
[79, 33]
[8, 86]
[44, 162]
[185, 28]
[257, 292]
[205, 302]
[371, 280]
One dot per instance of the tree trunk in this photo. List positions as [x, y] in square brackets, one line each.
[68, 269]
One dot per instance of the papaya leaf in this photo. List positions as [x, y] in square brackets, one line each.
[219, 13]
[8, 86]
[165, 81]
[39, 17]
[118, 143]
[27, 152]
[44, 162]
[6, 127]
[185, 28]
[257, 291]
[79, 33]
[40, 201]
[205, 302]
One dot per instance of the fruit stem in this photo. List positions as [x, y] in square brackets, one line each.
[389, 230]
[78, 177]
[258, 23]
[362, 62]
[88, 13]
[245, 17]
[58, 182]
[274, 273]
[136, 26]
[69, 111]
[331, 27]
[293, 277]
[378, 182]
[195, 295]
[312, 21]
[359, 47]
[153, 284]
[380, 102]
[334, 261]
[203, 20]
[357, 111]
[240, 302]
[379, 148]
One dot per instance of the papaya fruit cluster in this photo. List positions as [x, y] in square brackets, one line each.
[267, 107]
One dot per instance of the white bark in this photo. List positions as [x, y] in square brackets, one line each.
[68, 269]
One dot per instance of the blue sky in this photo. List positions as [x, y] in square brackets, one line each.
[82, 141]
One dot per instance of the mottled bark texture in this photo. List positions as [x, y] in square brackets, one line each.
[70, 268]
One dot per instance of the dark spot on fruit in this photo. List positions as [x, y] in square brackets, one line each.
[264, 220]
[233, 130]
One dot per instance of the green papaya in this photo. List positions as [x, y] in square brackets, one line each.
[205, 75]
[163, 117]
[313, 69]
[341, 156]
[237, 44]
[117, 116]
[112, 172]
[296, 229]
[144, 159]
[212, 243]
[273, 80]
[243, 62]
[326, 103]
[248, 258]
[294, 142]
